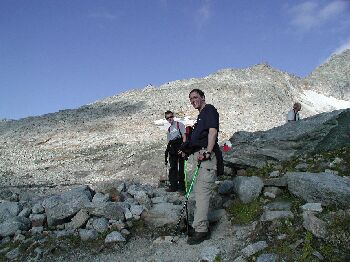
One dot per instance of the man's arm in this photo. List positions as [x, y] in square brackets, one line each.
[213, 132]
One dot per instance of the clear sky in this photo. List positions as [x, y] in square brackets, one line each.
[60, 54]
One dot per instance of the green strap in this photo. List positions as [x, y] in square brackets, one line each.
[193, 180]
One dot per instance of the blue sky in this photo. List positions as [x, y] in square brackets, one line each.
[63, 54]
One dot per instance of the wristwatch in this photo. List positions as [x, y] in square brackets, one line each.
[205, 153]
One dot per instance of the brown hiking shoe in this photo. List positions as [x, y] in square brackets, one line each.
[198, 237]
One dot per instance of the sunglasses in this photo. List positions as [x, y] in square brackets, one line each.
[169, 117]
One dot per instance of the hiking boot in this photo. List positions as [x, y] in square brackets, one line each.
[198, 237]
[170, 189]
[191, 231]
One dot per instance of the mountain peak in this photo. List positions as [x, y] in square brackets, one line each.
[333, 77]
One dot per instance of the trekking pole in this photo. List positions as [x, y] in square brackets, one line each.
[185, 174]
[166, 178]
[184, 208]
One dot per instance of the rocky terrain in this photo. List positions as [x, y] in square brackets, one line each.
[120, 140]
[332, 78]
[116, 138]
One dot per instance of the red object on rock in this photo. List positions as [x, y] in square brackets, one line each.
[226, 148]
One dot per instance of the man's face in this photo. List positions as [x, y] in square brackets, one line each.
[170, 118]
[196, 100]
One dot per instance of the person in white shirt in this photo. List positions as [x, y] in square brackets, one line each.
[293, 115]
[176, 136]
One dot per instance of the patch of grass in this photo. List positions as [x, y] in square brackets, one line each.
[288, 197]
[217, 258]
[261, 172]
[283, 249]
[289, 166]
[241, 213]
[307, 247]
[327, 251]
[73, 240]
[340, 222]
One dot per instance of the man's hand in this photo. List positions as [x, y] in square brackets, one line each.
[204, 157]
[181, 153]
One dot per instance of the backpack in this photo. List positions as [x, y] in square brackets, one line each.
[188, 132]
[177, 127]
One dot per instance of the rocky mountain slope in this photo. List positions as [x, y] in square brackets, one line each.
[333, 77]
[108, 142]
[116, 138]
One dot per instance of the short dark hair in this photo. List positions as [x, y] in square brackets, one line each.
[168, 113]
[198, 91]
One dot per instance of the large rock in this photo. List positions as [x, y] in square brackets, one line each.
[78, 221]
[315, 225]
[110, 210]
[162, 214]
[247, 188]
[10, 226]
[9, 209]
[325, 188]
[61, 208]
[326, 131]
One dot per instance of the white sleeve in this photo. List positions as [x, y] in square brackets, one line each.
[290, 116]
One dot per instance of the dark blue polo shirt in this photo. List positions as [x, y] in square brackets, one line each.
[207, 118]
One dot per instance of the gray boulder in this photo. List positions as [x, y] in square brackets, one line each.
[110, 210]
[327, 189]
[315, 225]
[326, 131]
[270, 215]
[38, 209]
[88, 234]
[12, 225]
[247, 188]
[61, 208]
[78, 221]
[100, 197]
[37, 220]
[9, 209]
[254, 248]
[25, 212]
[162, 214]
[100, 224]
[114, 237]
[268, 258]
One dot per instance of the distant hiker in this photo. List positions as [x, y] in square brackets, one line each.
[293, 115]
[203, 144]
[175, 137]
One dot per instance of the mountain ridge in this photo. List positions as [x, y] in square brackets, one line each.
[116, 137]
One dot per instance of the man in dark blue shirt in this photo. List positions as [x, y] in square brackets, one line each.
[202, 142]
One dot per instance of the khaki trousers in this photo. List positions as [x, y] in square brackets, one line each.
[203, 190]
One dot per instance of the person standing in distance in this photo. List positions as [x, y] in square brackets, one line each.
[293, 115]
[202, 142]
[175, 137]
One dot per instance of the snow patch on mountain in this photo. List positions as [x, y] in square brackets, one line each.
[320, 103]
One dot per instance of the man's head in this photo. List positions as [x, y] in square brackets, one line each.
[297, 107]
[169, 116]
[197, 99]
